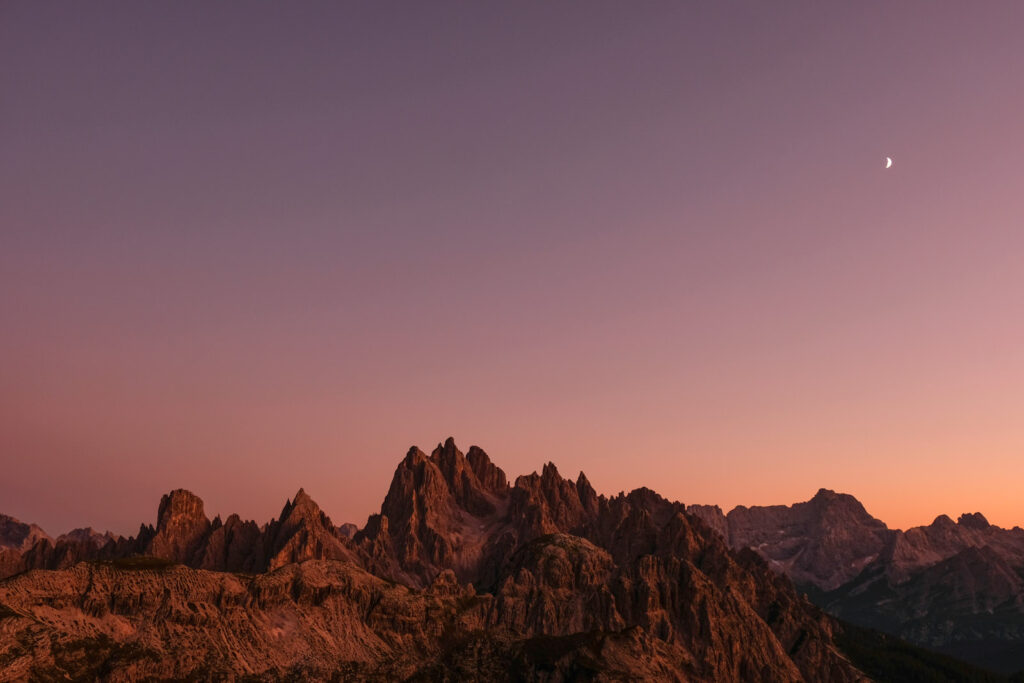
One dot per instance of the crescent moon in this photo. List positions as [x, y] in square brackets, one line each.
[888, 162]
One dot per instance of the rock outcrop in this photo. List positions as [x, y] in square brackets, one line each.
[181, 528]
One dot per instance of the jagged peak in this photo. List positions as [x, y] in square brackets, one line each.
[301, 506]
[461, 474]
[548, 475]
[490, 475]
[943, 521]
[973, 520]
[302, 498]
[583, 486]
[447, 453]
[414, 457]
[178, 497]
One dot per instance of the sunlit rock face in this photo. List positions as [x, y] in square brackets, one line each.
[181, 528]
[461, 575]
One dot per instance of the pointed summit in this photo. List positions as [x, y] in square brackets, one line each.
[433, 514]
[549, 503]
[587, 494]
[302, 504]
[490, 475]
[461, 477]
[304, 532]
[414, 456]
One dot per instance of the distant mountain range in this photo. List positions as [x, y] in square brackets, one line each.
[956, 587]
[465, 576]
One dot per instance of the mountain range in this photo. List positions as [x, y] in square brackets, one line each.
[956, 587]
[464, 575]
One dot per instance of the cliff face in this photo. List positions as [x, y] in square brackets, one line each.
[442, 511]
[952, 586]
[461, 575]
[181, 528]
[18, 536]
[824, 542]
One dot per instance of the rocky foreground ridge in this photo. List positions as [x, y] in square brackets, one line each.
[956, 587]
[462, 576]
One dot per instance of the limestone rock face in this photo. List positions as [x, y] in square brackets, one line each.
[88, 536]
[824, 542]
[461, 576]
[713, 516]
[441, 512]
[19, 536]
[234, 546]
[547, 503]
[181, 528]
[16, 540]
[303, 532]
[489, 475]
[923, 546]
[950, 586]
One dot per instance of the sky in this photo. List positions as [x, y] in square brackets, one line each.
[247, 248]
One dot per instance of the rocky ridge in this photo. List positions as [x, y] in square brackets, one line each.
[957, 587]
[460, 575]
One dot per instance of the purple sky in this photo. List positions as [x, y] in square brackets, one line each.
[246, 248]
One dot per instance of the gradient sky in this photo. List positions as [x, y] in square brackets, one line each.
[248, 247]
